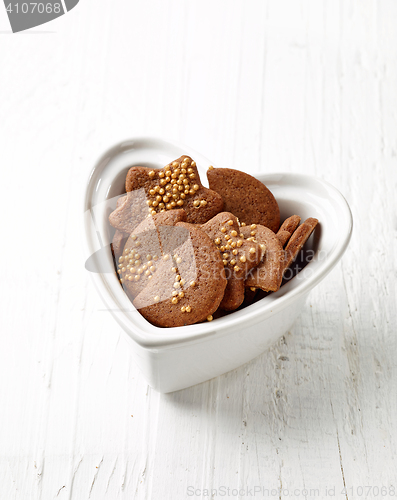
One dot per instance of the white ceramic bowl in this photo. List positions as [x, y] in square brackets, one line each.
[174, 358]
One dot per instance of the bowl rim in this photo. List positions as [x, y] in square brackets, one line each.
[151, 337]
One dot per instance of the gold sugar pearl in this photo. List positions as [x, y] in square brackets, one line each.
[130, 278]
[253, 289]
[252, 250]
[203, 203]
[192, 176]
[192, 283]
[137, 277]
[210, 317]
[193, 163]
[121, 280]
[210, 167]
[121, 259]
[119, 271]
[174, 269]
[191, 191]
[161, 174]
[232, 262]
[253, 226]
[174, 300]
[152, 268]
[133, 270]
[230, 222]
[150, 277]
[263, 246]
[224, 262]
[182, 282]
[178, 277]
[168, 187]
[163, 182]
[134, 237]
[148, 202]
[196, 203]
[181, 295]
[253, 233]
[183, 196]
[234, 233]
[239, 243]
[156, 298]
[157, 188]
[152, 174]
[175, 163]
[222, 248]
[178, 260]
[177, 284]
[227, 237]
[228, 247]
[183, 309]
[235, 252]
[123, 269]
[225, 255]
[243, 224]
[180, 203]
[189, 170]
[223, 229]
[148, 257]
[188, 309]
[147, 273]
[155, 257]
[174, 293]
[166, 257]
[236, 268]
[196, 187]
[217, 241]
[233, 244]
[243, 258]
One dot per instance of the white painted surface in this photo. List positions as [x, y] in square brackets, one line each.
[299, 86]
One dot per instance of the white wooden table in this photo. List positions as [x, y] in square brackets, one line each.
[299, 86]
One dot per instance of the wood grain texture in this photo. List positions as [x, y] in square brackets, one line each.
[299, 86]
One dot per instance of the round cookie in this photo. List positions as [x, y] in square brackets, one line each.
[188, 286]
[297, 240]
[287, 228]
[245, 197]
[268, 275]
[144, 249]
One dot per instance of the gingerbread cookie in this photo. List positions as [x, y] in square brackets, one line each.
[188, 285]
[238, 255]
[245, 197]
[268, 275]
[177, 185]
[287, 228]
[143, 250]
[297, 240]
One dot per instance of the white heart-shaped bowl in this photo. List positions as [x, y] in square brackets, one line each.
[174, 358]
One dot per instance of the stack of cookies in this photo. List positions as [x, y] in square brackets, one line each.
[184, 253]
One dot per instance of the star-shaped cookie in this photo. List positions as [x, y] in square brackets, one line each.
[151, 191]
[238, 254]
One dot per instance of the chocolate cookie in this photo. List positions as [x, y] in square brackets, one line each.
[187, 286]
[245, 197]
[119, 238]
[297, 240]
[268, 275]
[143, 250]
[177, 185]
[287, 228]
[238, 255]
